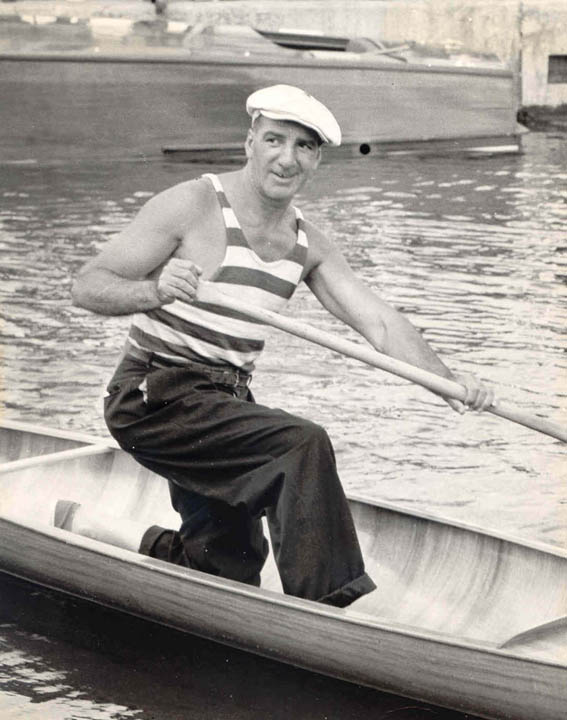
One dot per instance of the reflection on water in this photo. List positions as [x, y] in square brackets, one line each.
[474, 251]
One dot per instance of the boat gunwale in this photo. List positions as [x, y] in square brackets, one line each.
[60, 433]
[179, 57]
[261, 595]
[384, 145]
[538, 546]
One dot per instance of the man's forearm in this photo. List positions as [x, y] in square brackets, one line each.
[400, 339]
[106, 293]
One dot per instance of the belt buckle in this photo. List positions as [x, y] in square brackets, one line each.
[243, 379]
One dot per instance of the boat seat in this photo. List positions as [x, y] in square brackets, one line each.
[548, 640]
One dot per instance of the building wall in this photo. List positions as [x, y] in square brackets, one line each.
[479, 25]
[543, 33]
[522, 33]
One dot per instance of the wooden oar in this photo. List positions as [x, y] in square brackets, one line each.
[437, 384]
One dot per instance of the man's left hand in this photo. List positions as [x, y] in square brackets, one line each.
[478, 395]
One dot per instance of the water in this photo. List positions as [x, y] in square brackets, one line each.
[473, 251]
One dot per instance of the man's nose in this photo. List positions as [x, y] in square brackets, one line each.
[287, 155]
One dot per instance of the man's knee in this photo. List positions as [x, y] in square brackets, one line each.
[300, 432]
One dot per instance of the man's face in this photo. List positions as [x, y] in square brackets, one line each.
[282, 156]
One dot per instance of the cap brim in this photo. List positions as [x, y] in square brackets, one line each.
[276, 115]
[293, 118]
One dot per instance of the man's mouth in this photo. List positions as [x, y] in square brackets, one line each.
[283, 176]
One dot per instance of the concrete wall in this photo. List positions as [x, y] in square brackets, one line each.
[522, 33]
[543, 33]
[479, 25]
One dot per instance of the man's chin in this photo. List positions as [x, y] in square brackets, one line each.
[284, 187]
[280, 193]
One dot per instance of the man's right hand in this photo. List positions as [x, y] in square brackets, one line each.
[178, 280]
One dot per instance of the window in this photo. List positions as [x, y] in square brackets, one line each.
[557, 69]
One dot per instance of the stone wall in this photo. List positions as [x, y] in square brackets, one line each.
[522, 33]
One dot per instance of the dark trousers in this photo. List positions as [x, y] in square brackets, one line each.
[229, 461]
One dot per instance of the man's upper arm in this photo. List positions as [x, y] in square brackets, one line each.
[147, 242]
[333, 282]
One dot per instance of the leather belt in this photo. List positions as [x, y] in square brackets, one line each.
[229, 376]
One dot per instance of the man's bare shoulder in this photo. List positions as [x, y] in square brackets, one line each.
[320, 246]
[181, 203]
[157, 230]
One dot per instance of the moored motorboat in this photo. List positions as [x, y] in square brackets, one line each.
[115, 88]
[462, 618]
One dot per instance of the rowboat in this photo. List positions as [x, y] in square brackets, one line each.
[106, 87]
[463, 618]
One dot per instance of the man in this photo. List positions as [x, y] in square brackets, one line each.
[179, 401]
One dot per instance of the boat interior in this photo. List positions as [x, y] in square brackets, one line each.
[431, 575]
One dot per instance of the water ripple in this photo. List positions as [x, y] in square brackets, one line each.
[473, 251]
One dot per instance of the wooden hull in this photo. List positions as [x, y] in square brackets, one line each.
[448, 596]
[132, 101]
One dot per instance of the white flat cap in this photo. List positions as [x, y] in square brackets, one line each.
[285, 102]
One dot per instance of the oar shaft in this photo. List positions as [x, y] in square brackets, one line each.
[431, 381]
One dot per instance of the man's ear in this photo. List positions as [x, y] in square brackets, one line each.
[319, 156]
[248, 143]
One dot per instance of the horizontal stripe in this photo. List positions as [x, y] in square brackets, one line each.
[163, 340]
[153, 343]
[256, 278]
[142, 340]
[236, 240]
[194, 330]
[284, 269]
[168, 340]
[199, 351]
[215, 355]
[175, 346]
[224, 312]
[253, 295]
[242, 328]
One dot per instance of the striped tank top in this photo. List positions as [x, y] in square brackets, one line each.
[203, 332]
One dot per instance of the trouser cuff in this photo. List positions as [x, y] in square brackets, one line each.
[349, 593]
[150, 538]
[156, 542]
